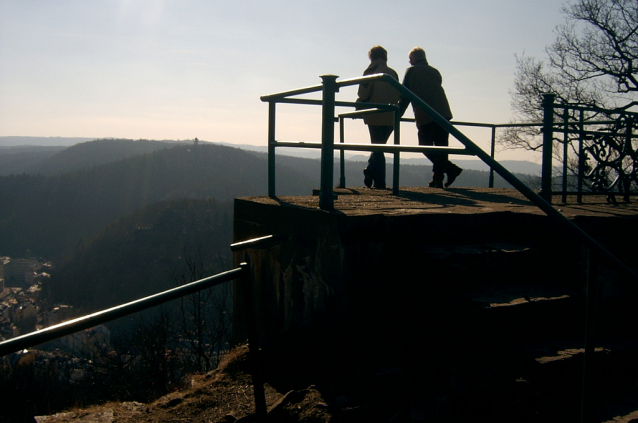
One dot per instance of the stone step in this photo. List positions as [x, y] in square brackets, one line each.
[555, 377]
[469, 266]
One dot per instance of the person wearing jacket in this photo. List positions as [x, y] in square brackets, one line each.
[380, 125]
[425, 81]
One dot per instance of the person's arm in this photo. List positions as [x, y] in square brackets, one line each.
[365, 90]
[405, 102]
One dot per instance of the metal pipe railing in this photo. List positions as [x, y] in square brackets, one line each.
[66, 328]
[123, 310]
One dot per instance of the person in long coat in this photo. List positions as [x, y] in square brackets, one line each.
[426, 82]
[380, 125]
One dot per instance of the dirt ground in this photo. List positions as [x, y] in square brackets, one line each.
[223, 395]
[354, 386]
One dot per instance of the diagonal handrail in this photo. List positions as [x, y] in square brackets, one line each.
[536, 199]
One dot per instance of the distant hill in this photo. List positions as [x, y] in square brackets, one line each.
[72, 194]
[94, 153]
[50, 215]
[42, 141]
[23, 159]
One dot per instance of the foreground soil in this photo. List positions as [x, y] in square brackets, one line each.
[380, 382]
[223, 395]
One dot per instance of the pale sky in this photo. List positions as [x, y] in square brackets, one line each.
[180, 69]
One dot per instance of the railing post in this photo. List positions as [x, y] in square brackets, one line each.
[326, 199]
[492, 153]
[548, 139]
[626, 181]
[253, 347]
[581, 155]
[591, 297]
[565, 151]
[271, 148]
[397, 155]
[342, 154]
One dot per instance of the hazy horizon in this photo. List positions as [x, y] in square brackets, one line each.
[179, 70]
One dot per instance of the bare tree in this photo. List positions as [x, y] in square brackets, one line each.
[203, 317]
[592, 62]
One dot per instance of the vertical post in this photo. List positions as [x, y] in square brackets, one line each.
[342, 154]
[271, 148]
[581, 155]
[397, 159]
[326, 199]
[492, 152]
[253, 347]
[565, 152]
[626, 181]
[591, 293]
[548, 139]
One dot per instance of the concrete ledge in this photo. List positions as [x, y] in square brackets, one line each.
[372, 257]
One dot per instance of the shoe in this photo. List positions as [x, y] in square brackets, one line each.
[379, 185]
[452, 174]
[435, 184]
[367, 177]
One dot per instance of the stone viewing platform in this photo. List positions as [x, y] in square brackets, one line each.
[423, 236]
[475, 291]
[416, 200]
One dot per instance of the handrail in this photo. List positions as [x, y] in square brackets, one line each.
[104, 316]
[539, 202]
[66, 328]
[75, 325]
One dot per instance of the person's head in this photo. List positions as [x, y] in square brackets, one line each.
[378, 52]
[416, 55]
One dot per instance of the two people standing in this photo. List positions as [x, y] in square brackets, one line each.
[426, 82]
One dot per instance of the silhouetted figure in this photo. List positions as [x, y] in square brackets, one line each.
[425, 81]
[380, 125]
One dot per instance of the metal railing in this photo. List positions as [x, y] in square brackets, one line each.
[330, 86]
[612, 150]
[328, 103]
[242, 272]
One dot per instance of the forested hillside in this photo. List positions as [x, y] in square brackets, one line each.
[52, 215]
[146, 252]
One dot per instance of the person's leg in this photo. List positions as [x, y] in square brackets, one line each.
[375, 172]
[433, 135]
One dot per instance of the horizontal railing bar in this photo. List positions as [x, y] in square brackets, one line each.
[576, 131]
[377, 108]
[360, 79]
[392, 148]
[261, 242]
[104, 316]
[594, 109]
[300, 91]
[590, 193]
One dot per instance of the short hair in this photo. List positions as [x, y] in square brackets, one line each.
[417, 53]
[378, 52]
